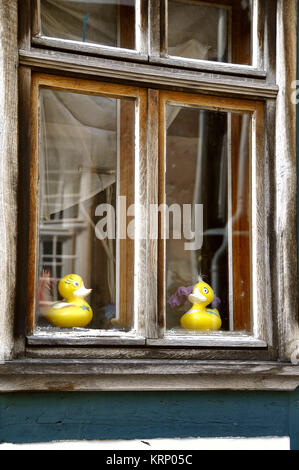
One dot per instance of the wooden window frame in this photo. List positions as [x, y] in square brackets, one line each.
[259, 337]
[129, 249]
[139, 54]
[48, 366]
[263, 33]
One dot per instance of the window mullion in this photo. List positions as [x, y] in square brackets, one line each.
[154, 28]
[152, 200]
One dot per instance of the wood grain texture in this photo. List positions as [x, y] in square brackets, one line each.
[268, 13]
[168, 353]
[137, 367]
[163, 27]
[154, 28]
[24, 88]
[71, 340]
[144, 375]
[143, 27]
[84, 48]
[262, 316]
[35, 17]
[8, 171]
[127, 190]
[33, 205]
[24, 24]
[141, 217]
[269, 186]
[209, 341]
[148, 74]
[152, 198]
[199, 65]
[286, 207]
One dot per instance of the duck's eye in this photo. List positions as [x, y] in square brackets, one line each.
[76, 284]
[205, 290]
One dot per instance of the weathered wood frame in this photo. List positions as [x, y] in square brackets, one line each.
[88, 368]
[140, 54]
[264, 30]
[262, 323]
[126, 262]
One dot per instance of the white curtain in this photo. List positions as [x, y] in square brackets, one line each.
[78, 151]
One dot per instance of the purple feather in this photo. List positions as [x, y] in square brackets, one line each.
[181, 297]
[174, 301]
[216, 302]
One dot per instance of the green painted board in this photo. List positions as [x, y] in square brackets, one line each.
[43, 417]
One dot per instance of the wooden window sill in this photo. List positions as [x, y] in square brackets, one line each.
[143, 375]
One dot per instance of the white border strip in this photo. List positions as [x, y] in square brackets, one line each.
[237, 443]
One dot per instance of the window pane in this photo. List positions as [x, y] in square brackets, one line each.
[105, 22]
[82, 152]
[208, 161]
[216, 30]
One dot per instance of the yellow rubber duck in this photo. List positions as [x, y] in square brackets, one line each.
[73, 311]
[199, 317]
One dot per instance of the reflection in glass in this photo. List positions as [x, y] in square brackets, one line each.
[210, 30]
[207, 162]
[79, 170]
[104, 22]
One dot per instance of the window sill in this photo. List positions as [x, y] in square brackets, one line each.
[145, 375]
[87, 339]
[106, 338]
[217, 339]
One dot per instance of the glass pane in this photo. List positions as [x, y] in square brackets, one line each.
[83, 145]
[207, 163]
[210, 30]
[105, 22]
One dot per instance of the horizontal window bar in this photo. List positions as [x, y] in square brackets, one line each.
[103, 339]
[85, 48]
[212, 340]
[147, 74]
[209, 66]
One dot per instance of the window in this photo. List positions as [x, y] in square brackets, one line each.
[225, 34]
[152, 165]
[104, 23]
[85, 140]
[208, 159]
[102, 27]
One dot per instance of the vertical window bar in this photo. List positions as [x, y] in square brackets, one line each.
[164, 28]
[229, 224]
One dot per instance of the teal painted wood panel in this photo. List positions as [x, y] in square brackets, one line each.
[43, 417]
